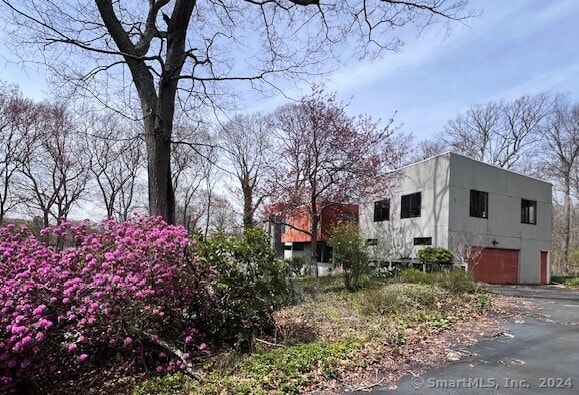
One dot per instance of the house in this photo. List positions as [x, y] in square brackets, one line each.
[296, 222]
[495, 220]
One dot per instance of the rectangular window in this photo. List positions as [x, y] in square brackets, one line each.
[423, 241]
[347, 216]
[371, 242]
[528, 212]
[410, 205]
[298, 246]
[382, 210]
[479, 204]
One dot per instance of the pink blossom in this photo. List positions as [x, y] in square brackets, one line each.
[127, 341]
[203, 346]
[83, 357]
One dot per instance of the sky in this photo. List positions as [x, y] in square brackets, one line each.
[513, 48]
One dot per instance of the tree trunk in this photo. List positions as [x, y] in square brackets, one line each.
[567, 224]
[314, 242]
[161, 195]
[247, 206]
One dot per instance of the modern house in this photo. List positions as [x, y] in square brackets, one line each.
[296, 242]
[495, 220]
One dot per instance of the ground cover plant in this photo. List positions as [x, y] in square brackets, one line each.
[335, 333]
[568, 281]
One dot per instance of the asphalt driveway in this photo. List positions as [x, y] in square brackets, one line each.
[539, 353]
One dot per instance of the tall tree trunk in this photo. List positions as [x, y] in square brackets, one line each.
[161, 195]
[314, 242]
[247, 204]
[567, 224]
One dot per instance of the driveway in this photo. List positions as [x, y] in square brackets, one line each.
[538, 353]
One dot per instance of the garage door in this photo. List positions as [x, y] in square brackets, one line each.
[497, 266]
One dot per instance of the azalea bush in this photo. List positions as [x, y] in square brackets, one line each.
[131, 289]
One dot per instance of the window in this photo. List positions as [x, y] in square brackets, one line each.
[382, 210]
[528, 212]
[479, 204]
[423, 241]
[371, 242]
[347, 216]
[298, 246]
[410, 205]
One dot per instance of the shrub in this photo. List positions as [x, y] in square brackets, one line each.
[132, 289]
[415, 276]
[350, 253]
[249, 285]
[435, 255]
[457, 281]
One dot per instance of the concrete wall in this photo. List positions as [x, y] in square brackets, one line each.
[396, 236]
[503, 227]
[445, 182]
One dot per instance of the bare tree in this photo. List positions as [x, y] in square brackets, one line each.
[503, 134]
[194, 46]
[428, 148]
[466, 247]
[16, 117]
[193, 164]
[116, 161]
[54, 167]
[223, 215]
[561, 155]
[247, 145]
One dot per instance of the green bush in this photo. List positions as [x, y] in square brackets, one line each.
[435, 255]
[415, 276]
[457, 281]
[350, 253]
[250, 285]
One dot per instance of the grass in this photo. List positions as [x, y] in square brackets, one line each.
[333, 332]
[568, 281]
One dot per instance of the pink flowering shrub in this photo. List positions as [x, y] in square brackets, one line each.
[132, 289]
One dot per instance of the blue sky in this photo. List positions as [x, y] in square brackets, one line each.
[513, 48]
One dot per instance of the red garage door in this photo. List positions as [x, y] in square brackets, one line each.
[497, 266]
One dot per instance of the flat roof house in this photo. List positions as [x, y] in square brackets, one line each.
[495, 220]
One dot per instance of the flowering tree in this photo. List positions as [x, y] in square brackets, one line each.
[326, 158]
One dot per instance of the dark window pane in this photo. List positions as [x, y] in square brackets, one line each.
[382, 210]
[423, 241]
[479, 204]
[528, 212]
[410, 205]
[371, 242]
